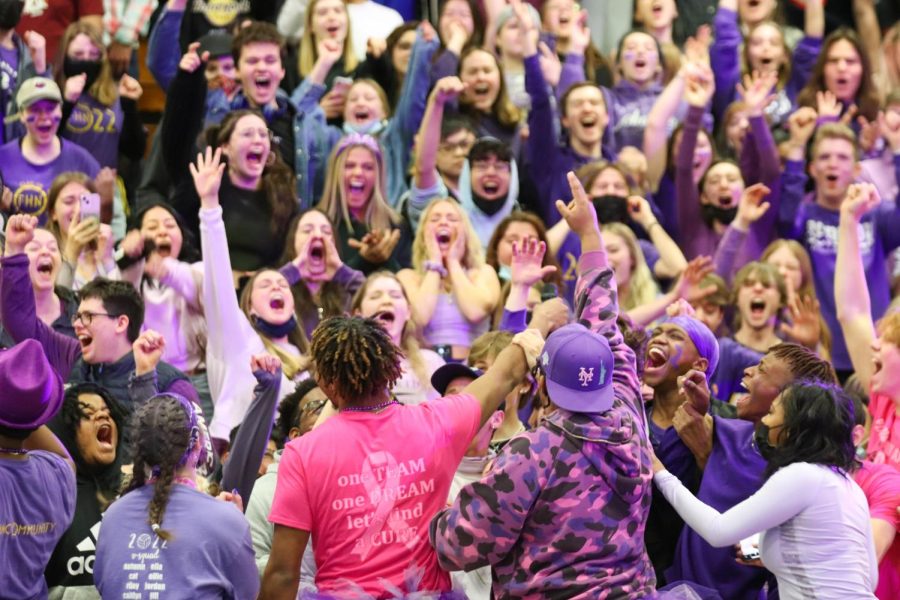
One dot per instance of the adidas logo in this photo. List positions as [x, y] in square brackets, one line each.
[79, 565]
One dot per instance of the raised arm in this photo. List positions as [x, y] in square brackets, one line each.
[671, 261]
[698, 91]
[414, 95]
[249, 446]
[725, 55]
[18, 313]
[163, 48]
[851, 292]
[870, 33]
[425, 175]
[185, 105]
[801, 125]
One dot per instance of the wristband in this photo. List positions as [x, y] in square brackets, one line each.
[433, 265]
[652, 225]
[531, 342]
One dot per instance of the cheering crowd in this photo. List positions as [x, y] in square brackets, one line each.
[452, 301]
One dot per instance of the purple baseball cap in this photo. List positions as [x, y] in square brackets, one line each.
[578, 366]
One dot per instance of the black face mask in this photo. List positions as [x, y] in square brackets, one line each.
[488, 207]
[761, 439]
[611, 209]
[717, 213]
[91, 68]
[10, 13]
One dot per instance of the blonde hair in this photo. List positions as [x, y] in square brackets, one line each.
[379, 214]
[474, 257]
[807, 285]
[642, 288]
[104, 90]
[309, 51]
[889, 52]
[409, 339]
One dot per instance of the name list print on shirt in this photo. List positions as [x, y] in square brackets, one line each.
[386, 483]
[146, 573]
[822, 238]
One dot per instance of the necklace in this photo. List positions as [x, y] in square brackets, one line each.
[374, 408]
[15, 451]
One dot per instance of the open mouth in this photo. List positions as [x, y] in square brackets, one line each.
[333, 30]
[753, 3]
[45, 128]
[640, 63]
[362, 115]
[443, 237]
[45, 266]
[85, 340]
[656, 9]
[725, 201]
[757, 307]
[255, 157]
[491, 188]
[356, 186]
[481, 89]
[164, 248]
[831, 178]
[387, 317]
[656, 357]
[317, 251]
[262, 82]
[766, 61]
[588, 121]
[276, 303]
[105, 435]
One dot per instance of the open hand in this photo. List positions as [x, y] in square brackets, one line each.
[526, 264]
[207, 173]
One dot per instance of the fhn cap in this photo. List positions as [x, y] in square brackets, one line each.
[37, 88]
[578, 367]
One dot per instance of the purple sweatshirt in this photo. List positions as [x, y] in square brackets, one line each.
[548, 160]
[726, 64]
[562, 512]
[694, 236]
[19, 318]
[816, 228]
[733, 473]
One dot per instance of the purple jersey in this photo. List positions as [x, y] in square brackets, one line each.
[97, 127]
[30, 183]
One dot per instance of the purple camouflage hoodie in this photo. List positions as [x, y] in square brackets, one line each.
[562, 512]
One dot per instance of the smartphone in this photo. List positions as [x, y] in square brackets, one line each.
[750, 547]
[90, 206]
[341, 85]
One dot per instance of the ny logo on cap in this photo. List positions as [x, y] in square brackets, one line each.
[585, 376]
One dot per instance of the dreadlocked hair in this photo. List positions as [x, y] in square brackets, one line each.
[355, 356]
[162, 433]
[804, 363]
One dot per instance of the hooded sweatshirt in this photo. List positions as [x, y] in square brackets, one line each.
[562, 512]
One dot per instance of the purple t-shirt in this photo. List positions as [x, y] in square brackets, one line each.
[37, 501]
[733, 359]
[30, 183]
[98, 127]
[210, 555]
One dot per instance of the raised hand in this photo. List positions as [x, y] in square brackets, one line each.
[680, 308]
[869, 132]
[329, 52]
[889, 126]
[756, 91]
[119, 57]
[860, 199]
[696, 48]
[376, 246]
[688, 285]
[74, 87]
[105, 244]
[640, 212]
[526, 264]
[801, 125]
[699, 86]
[207, 173]
[805, 327]
[580, 37]
[130, 88]
[191, 60]
[527, 27]
[751, 207]
[579, 213]
[447, 89]
[148, 350]
[828, 106]
[550, 65]
[427, 31]
[19, 232]
[37, 48]
[457, 38]
[457, 250]
[264, 362]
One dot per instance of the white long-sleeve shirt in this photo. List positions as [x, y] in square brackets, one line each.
[816, 536]
[231, 340]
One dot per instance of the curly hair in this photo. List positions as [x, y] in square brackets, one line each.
[803, 363]
[289, 410]
[164, 430]
[818, 428]
[355, 357]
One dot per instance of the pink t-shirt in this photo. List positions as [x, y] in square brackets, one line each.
[366, 487]
[884, 436]
[881, 485]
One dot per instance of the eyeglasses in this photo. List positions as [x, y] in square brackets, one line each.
[86, 317]
[498, 166]
[313, 407]
[463, 146]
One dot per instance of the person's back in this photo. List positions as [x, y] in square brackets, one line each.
[37, 502]
[367, 507]
[209, 555]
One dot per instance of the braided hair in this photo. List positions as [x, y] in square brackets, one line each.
[165, 431]
[355, 357]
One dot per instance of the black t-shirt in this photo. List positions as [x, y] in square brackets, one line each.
[72, 562]
[252, 244]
